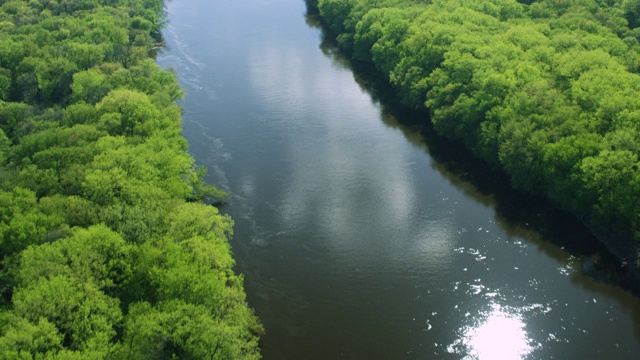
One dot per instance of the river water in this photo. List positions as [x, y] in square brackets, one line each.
[361, 238]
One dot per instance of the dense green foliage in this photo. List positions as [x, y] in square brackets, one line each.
[547, 90]
[106, 249]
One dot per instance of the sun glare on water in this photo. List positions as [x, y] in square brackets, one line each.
[500, 336]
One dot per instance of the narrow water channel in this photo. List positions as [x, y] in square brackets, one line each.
[358, 238]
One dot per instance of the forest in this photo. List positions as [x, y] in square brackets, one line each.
[547, 91]
[107, 250]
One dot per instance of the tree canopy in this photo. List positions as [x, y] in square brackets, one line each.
[547, 90]
[106, 248]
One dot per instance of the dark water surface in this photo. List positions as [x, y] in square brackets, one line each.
[358, 239]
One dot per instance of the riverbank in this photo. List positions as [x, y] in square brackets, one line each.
[619, 268]
[108, 250]
[574, 163]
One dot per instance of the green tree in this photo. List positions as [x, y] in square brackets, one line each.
[84, 316]
[126, 112]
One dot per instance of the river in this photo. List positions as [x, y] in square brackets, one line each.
[361, 238]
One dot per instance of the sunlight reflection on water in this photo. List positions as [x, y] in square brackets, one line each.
[500, 335]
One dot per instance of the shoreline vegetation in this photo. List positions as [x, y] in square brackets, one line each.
[547, 91]
[107, 250]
